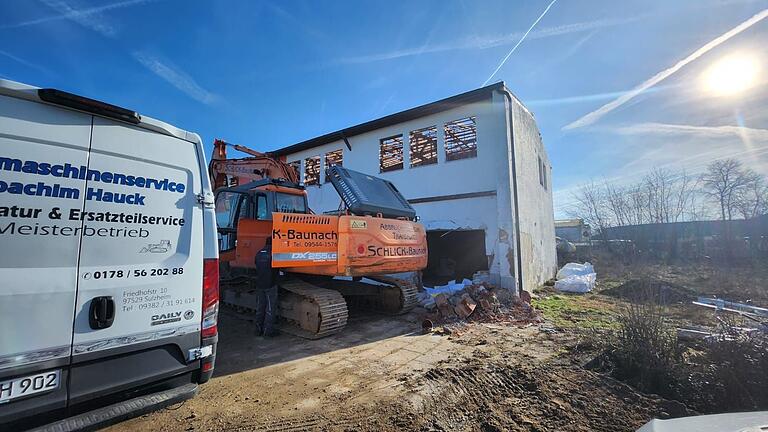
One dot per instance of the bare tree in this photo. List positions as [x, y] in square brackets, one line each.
[724, 182]
[668, 194]
[684, 195]
[752, 201]
[590, 205]
[638, 203]
[618, 204]
[699, 207]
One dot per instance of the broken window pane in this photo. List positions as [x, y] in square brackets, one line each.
[391, 153]
[312, 171]
[296, 165]
[335, 157]
[423, 146]
[461, 139]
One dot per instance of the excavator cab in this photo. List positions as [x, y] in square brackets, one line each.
[244, 217]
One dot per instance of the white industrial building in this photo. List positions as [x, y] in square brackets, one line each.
[474, 168]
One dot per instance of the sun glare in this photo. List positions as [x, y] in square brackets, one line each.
[731, 75]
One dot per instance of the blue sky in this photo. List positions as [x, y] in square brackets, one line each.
[269, 74]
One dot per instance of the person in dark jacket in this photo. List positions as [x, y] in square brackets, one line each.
[266, 289]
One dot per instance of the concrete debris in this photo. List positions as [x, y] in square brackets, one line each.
[427, 301]
[450, 288]
[481, 277]
[479, 303]
[504, 296]
[485, 304]
[444, 307]
[525, 296]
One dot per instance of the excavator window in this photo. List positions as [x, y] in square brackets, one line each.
[289, 203]
[262, 212]
[230, 208]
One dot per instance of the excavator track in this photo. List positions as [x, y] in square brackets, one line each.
[311, 312]
[304, 310]
[389, 295]
[408, 292]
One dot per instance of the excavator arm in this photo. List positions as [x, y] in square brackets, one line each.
[230, 172]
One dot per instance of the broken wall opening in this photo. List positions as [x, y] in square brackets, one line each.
[312, 171]
[454, 255]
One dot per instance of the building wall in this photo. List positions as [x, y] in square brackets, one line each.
[570, 233]
[488, 172]
[443, 178]
[536, 214]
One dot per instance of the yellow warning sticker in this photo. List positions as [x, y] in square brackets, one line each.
[358, 224]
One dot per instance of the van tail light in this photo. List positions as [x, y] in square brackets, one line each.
[210, 297]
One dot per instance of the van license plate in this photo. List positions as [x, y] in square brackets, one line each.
[29, 385]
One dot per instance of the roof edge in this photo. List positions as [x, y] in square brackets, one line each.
[392, 119]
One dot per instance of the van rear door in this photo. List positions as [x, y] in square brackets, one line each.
[138, 310]
[38, 251]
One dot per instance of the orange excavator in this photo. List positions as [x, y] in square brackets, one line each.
[329, 262]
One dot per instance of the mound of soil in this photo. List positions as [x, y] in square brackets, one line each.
[517, 397]
[656, 290]
[499, 396]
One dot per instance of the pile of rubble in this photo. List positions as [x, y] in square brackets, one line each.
[478, 302]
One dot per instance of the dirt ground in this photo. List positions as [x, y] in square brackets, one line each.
[381, 373]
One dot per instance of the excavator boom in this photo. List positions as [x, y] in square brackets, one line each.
[232, 172]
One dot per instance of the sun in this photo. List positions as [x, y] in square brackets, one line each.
[731, 75]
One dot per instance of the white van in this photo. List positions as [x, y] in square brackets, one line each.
[108, 262]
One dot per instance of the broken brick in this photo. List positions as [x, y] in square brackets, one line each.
[465, 307]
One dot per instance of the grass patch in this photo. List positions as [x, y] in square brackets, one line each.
[582, 311]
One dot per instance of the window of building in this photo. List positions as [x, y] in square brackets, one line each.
[391, 153]
[312, 171]
[296, 165]
[541, 172]
[423, 146]
[461, 139]
[335, 157]
[544, 174]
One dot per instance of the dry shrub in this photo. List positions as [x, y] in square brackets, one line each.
[646, 351]
[730, 375]
[727, 374]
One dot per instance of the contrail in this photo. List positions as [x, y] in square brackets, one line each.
[587, 98]
[595, 115]
[486, 42]
[66, 12]
[520, 41]
[176, 77]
